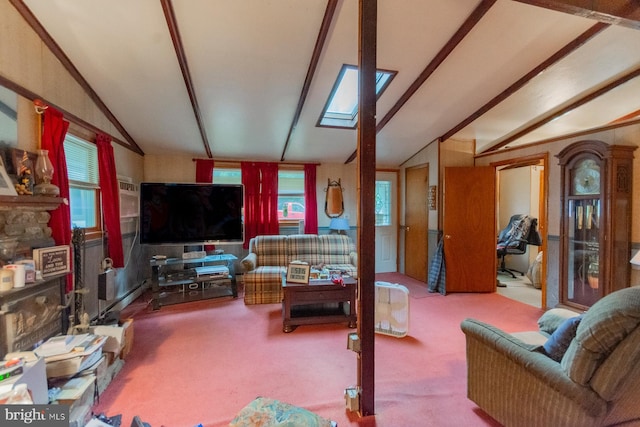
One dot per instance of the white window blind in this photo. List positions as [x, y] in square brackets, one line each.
[82, 162]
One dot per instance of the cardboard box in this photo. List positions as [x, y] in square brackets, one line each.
[112, 370]
[115, 332]
[128, 338]
[112, 346]
[122, 336]
[77, 391]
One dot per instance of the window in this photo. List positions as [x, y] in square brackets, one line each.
[290, 195]
[227, 176]
[84, 190]
[341, 109]
[383, 203]
[290, 190]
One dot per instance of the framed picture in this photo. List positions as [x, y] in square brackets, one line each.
[53, 260]
[17, 157]
[6, 184]
[432, 197]
[6, 159]
[298, 273]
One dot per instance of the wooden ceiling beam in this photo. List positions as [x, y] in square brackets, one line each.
[632, 115]
[172, 23]
[433, 65]
[311, 71]
[520, 83]
[558, 113]
[615, 12]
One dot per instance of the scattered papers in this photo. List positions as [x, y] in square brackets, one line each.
[55, 345]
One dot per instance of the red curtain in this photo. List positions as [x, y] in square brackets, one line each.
[204, 170]
[260, 182]
[110, 199]
[53, 134]
[310, 200]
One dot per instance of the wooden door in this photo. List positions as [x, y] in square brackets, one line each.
[469, 229]
[416, 223]
[386, 222]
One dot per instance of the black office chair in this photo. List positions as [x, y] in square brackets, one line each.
[514, 239]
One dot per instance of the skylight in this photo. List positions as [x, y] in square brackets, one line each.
[341, 109]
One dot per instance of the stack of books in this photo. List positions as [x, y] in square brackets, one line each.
[66, 357]
[56, 345]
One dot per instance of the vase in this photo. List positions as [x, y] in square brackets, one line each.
[44, 174]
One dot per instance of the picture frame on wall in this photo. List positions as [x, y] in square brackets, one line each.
[6, 184]
[298, 273]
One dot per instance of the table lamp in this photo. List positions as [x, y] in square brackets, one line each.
[341, 225]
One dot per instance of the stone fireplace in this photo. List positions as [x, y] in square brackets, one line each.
[31, 314]
[27, 221]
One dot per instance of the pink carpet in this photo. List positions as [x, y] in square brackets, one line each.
[417, 289]
[202, 362]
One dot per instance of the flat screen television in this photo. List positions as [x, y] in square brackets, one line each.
[176, 213]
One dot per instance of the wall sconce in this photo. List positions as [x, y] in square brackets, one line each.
[635, 261]
[432, 197]
[333, 203]
[340, 225]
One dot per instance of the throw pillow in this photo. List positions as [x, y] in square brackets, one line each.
[558, 343]
[553, 318]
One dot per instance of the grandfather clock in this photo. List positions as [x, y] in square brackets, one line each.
[595, 224]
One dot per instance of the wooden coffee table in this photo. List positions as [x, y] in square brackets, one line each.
[319, 302]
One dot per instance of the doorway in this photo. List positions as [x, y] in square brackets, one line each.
[521, 189]
[386, 222]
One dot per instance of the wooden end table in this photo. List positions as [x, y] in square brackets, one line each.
[315, 303]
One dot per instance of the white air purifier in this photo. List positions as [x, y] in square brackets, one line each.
[392, 309]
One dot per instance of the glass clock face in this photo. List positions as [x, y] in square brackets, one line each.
[586, 178]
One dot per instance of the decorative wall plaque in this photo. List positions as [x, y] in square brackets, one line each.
[53, 260]
[432, 197]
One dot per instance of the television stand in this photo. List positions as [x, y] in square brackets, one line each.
[176, 280]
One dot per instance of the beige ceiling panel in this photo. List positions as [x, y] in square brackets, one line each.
[248, 61]
[484, 64]
[408, 38]
[608, 55]
[124, 50]
[599, 112]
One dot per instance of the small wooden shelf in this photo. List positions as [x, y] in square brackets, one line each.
[30, 202]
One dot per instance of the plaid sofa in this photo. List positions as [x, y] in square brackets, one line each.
[269, 256]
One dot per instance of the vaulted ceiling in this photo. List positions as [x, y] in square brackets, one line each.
[234, 79]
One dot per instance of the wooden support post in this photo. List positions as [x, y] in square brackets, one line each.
[366, 161]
